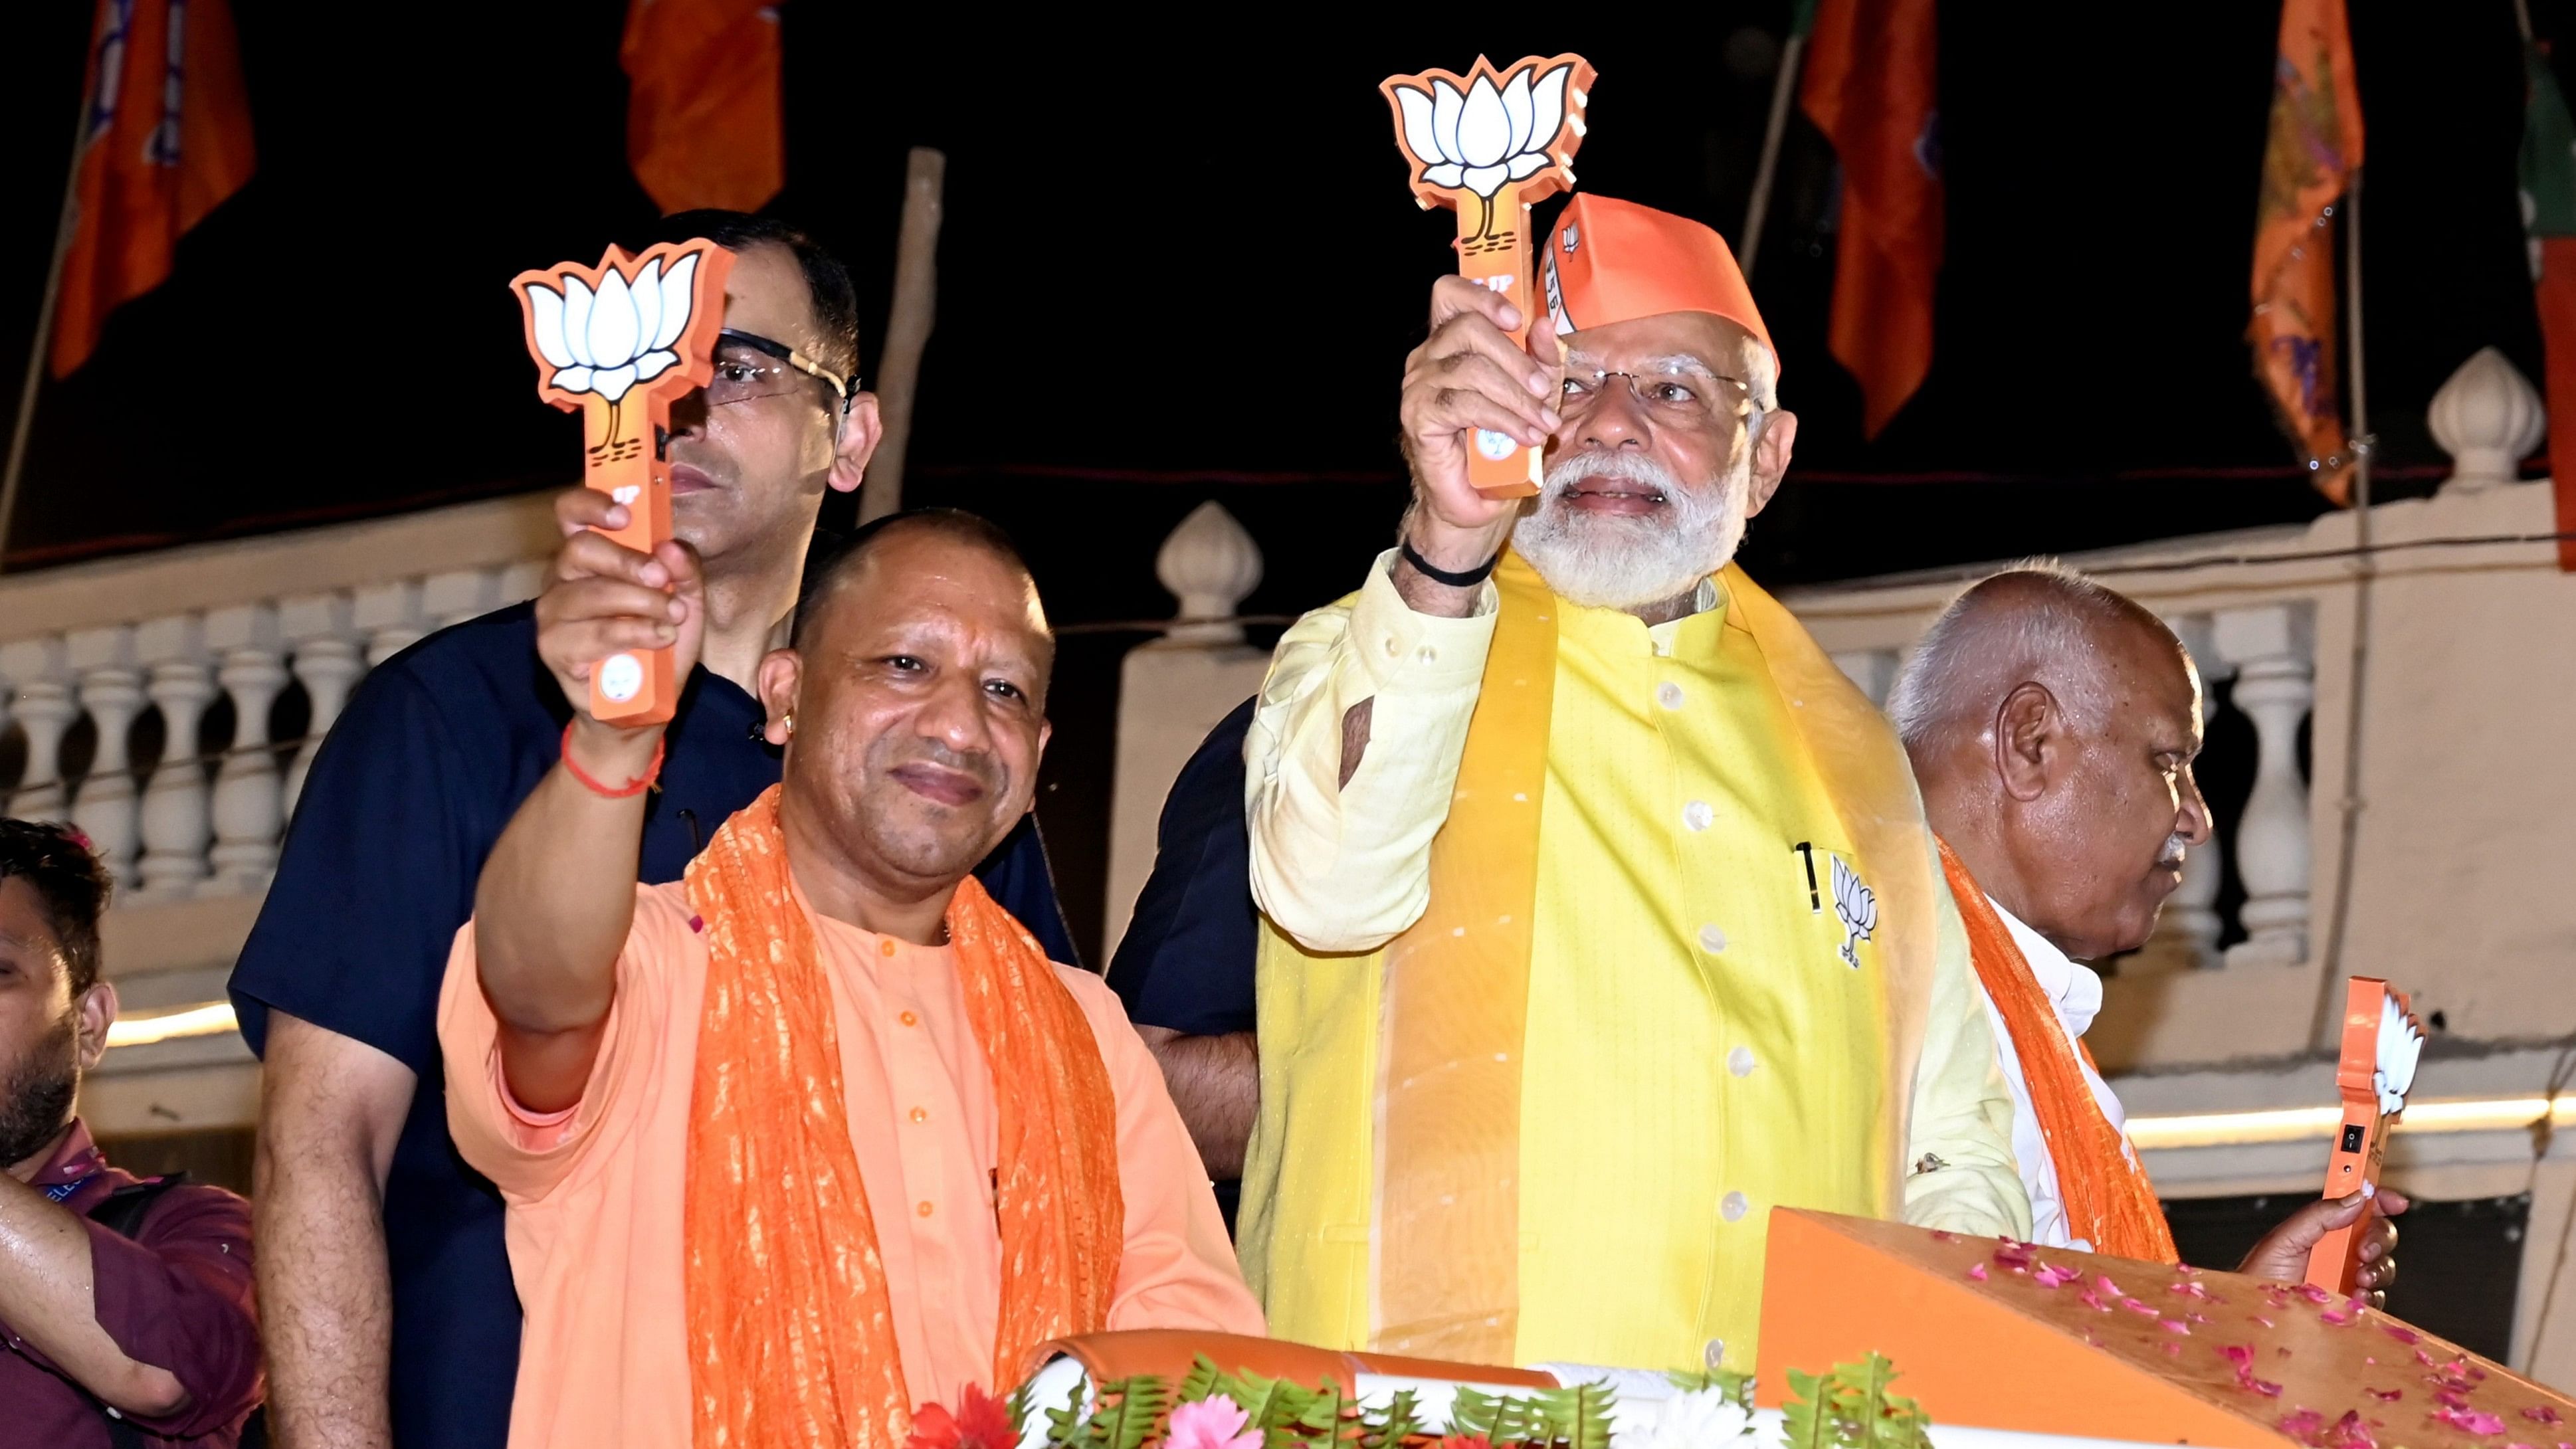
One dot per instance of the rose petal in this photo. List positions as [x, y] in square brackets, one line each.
[1977, 1271]
[2386, 1396]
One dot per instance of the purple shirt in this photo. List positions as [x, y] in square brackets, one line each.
[177, 1295]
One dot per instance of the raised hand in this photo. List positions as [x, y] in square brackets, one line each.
[603, 598]
[1469, 374]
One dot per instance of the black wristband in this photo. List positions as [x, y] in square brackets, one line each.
[1467, 580]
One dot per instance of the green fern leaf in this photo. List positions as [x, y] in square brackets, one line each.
[1388, 1428]
[1200, 1382]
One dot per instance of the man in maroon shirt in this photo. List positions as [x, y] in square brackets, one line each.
[125, 1306]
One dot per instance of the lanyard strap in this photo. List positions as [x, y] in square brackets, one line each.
[61, 1192]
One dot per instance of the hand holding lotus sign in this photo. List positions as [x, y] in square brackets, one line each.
[1488, 145]
[619, 343]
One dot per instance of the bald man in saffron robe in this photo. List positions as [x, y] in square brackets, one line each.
[1600, 914]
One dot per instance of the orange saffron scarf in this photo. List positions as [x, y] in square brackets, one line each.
[2109, 1202]
[791, 1334]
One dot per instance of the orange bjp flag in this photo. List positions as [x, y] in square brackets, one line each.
[167, 139]
[1872, 86]
[703, 121]
[2308, 160]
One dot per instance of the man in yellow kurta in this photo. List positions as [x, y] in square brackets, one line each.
[1601, 918]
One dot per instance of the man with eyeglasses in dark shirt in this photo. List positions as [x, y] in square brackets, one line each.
[385, 1288]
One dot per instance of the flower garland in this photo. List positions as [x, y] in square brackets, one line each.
[1849, 1408]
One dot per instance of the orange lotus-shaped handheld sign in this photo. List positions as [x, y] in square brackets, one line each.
[1489, 144]
[1475, 134]
[619, 343]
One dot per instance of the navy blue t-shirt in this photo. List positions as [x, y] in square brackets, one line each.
[406, 798]
[1186, 962]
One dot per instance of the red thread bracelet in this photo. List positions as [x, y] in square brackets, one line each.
[636, 786]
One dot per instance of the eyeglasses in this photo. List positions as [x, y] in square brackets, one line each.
[1700, 398]
[750, 366]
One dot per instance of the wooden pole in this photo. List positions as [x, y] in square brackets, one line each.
[908, 322]
[2322, 1022]
[1783, 87]
[66, 227]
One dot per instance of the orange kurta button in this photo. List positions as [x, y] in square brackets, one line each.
[920, 1114]
[923, 1209]
[909, 1019]
[885, 948]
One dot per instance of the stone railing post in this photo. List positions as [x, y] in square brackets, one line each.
[453, 598]
[246, 814]
[1175, 689]
[2191, 915]
[176, 824]
[388, 615]
[42, 703]
[111, 692]
[2488, 418]
[316, 629]
[2273, 651]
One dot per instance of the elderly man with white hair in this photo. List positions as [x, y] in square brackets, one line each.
[2053, 723]
[1601, 915]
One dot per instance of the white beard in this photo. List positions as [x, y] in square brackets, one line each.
[1606, 561]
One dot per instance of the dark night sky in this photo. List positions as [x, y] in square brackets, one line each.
[1198, 261]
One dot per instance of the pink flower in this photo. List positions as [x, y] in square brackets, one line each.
[2541, 1414]
[2015, 1256]
[1977, 1271]
[2109, 1288]
[1211, 1423]
[2476, 1421]
[2313, 1293]
[2177, 1326]
[2401, 1333]
[2141, 1306]
[2304, 1422]
[2259, 1318]
[2051, 1276]
[2238, 1354]
[2350, 1310]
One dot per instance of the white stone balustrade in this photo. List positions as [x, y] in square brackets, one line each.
[2488, 417]
[241, 623]
[2272, 649]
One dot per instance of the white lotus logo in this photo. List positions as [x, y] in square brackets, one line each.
[1487, 135]
[1856, 905]
[607, 341]
[2400, 1043]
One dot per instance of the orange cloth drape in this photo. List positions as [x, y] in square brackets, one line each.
[704, 125]
[168, 139]
[2109, 1202]
[1872, 86]
[2308, 159]
[791, 1334]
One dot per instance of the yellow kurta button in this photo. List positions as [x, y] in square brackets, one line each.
[1711, 939]
[1698, 816]
[1740, 1061]
[1714, 1355]
[1669, 695]
[1731, 1208]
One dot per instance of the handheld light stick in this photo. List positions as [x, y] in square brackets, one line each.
[1489, 145]
[619, 343]
[2381, 1040]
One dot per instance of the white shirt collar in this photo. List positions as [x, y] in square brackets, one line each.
[2073, 987]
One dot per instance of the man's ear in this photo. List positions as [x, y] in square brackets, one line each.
[781, 670]
[862, 428]
[95, 1012]
[1771, 457]
[2030, 741]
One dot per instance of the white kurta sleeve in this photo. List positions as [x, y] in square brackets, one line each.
[1347, 868]
[1963, 1115]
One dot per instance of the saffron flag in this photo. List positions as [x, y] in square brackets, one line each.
[167, 139]
[2549, 216]
[1872, 88]
[2308, 159]
[702, 110]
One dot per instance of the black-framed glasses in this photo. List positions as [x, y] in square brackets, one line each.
[741, 379]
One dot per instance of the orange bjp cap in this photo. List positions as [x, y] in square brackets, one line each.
[1615, 261]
